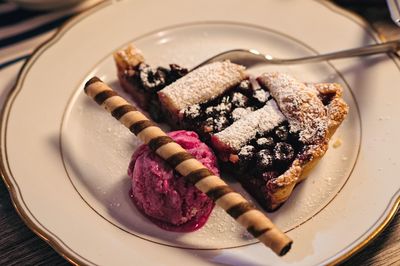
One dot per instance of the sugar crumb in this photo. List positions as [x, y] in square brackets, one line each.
[337, 143]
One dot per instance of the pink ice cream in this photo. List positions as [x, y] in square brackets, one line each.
[162, 194]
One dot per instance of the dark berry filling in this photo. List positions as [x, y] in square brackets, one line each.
[176, 72]
[281, 132]
[265, 157]
[283, 152]
[269, 154]
[264, 160]
[154, 79]
[246, 156]
[151, 80]
[215, 115]
[265, 142]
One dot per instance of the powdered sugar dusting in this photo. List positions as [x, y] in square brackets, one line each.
[203, 84]
[192, 111]
[223, 107]
[246, 128]
[304, 110]
[261, 95]
[239, 99]
[239, 112]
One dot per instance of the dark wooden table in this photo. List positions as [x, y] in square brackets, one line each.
[20, 246]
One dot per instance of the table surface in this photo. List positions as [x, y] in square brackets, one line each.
[20, 246]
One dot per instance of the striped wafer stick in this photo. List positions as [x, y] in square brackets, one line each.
[195, 172]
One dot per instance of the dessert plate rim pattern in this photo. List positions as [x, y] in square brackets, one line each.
[66, 249]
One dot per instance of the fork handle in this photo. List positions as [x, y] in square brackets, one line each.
[387, 47]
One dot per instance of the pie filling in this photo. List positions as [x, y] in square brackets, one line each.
[142, 81]
[214, 116]
[266, 131]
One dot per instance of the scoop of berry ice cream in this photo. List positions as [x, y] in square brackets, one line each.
[162, 194]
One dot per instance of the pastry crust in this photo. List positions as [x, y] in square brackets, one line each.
[332, 114]
[204, 84]
[127, 60]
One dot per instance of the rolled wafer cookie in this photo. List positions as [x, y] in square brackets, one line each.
[194, 171]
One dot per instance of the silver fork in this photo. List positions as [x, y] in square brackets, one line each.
[252, 57]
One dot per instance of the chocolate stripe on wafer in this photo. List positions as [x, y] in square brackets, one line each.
[218, 192]
[119, 112]
[104, 95]
[194, 171]
[238, 209]
[178, 158]
[90, 81]
[137, 127]
[198, 175]
[156, 143]
[255, 232]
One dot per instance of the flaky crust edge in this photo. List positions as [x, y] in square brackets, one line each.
[280, 188]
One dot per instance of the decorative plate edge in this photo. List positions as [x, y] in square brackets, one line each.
[44, 234]
[379, 38]
[54, 243]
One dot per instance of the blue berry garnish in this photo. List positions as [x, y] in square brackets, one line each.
[265, 142]
[247, 152]
[283, 152]
[220, 122]
[239, 99]
[192, 112]
[151, 79]
[282, 132]
[246, 155]
[265, 160]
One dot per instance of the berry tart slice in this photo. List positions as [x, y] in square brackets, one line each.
[269, 131]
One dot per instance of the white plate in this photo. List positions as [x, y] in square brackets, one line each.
[64, 159]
